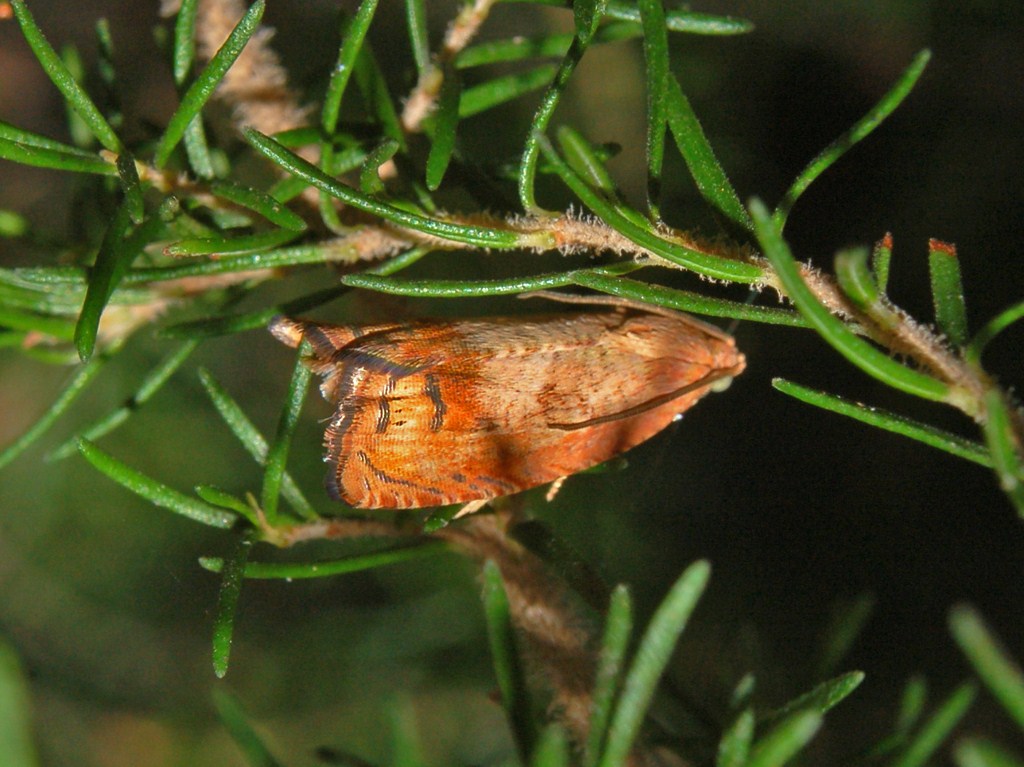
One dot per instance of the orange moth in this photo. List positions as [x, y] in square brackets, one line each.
[435, 412]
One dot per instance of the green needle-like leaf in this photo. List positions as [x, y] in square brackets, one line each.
[184, 41]
[937, 729]
[236, 722]
[1004, 445]
[868, 358]
[131, 186]
[150, 385]
[618, 629]
[552, 748]
[79, 381]
[259, 202]
[993, 328]
[693, 145]
[291, 570]
[734, 747]
[445, 123]
[501, 90]
[277, 454]
[860, 130]
[115, 257]
[994, 666]
[252, 440]
[587, 14]
[947, 291]
[822, 698]
[505, 656]
[652, 17]
[706, 264]
[229, 246]
[153, 491]
[975, 752]
[58, 159]
[885, 419]
[16, 749]
[881, 256]
[227, 602]
[354, 34]
[785, 741]
[58, 73]
[206, 83]
[292, 163]
[652, 656]
[416, 16]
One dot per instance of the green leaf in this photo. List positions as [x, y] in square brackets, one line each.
[277, 454]
[217, 497]
[82, 377]
[618, 628]
[822, 698]
[785, 741]
[584, 160]
[131, 186]
[150, 385]
[881, 256]
[937, 728]
[511, 682]
[378, 100]
[259, 202]
[684, 21]
[994, 666]
[445, 121]
[857, 281]
[291, 163]
[237, 323]
[656, 59]
[652, 656]
[116, 254]
[252, 440]
[153, 491]
[354, 34]
[73, 93]
[844, 627]
[552, 748]
[912, 704]
[587, 14]
[206, 83]
[947, 291]
[230, 246]
[1005, 448]
[293, 570]
[16, 748]
[707, 264]
[236, 722]
[501, 90]
[684, 300]
[457, 288]
[992, 328]
[184, 52]
[58, 159]
[227, 602]
[885, 419]
[416, 16]
[860, 130]
[734, 747]
[369, 175]
[975, 752]
[868, 358]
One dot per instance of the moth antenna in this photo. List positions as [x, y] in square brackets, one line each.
[654, 402]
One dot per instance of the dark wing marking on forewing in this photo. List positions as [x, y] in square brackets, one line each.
[388, 479]
[433, 391]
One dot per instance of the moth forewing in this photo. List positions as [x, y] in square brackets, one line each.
[438, 412]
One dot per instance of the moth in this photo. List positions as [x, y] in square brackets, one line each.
[435, 412]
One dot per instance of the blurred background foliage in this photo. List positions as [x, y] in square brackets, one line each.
[800, 512]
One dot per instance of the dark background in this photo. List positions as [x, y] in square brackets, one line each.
[799, 511]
